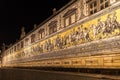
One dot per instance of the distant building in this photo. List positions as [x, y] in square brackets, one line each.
[82, 34]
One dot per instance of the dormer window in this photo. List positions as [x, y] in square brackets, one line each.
[52, 27]
[70, 17]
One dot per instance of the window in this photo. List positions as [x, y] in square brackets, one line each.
[73, 18]
[18, 46]
[14, 48]
[93, 7]
[7, 52]
[52, 27]
[22, 44]
[67, 22]
[104, 4]
[10, 51]
[32, 38]
[97, 5]
[70, 17]
[40, 36]
[41, 33]
[26, 41]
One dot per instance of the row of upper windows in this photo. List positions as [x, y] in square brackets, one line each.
[69, 18]
[41, 33]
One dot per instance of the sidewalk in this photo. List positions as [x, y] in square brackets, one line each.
[108, 77]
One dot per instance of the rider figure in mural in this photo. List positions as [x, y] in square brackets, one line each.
[108, 24]
[114, 21]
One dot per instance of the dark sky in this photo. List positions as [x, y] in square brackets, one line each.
[17, 13]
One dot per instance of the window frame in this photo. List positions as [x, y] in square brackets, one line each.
[22, 44]
[94, 8]
[53, 27]
[33, 38]
[26, 41]
[41, 32]
[68, 15]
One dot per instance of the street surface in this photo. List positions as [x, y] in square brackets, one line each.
[27, 74]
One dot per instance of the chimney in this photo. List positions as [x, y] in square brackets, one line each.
[35, 26]
[22, 32]
[54, 10]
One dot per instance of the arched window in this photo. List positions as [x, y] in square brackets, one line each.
[70, 17]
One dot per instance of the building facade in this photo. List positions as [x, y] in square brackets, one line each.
[0, 61]
[82, 34]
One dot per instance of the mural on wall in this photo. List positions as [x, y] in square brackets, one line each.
[82, 34]
[100, 28]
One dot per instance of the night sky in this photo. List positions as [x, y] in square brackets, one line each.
[17, 13]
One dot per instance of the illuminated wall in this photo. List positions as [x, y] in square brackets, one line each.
[82, 32]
